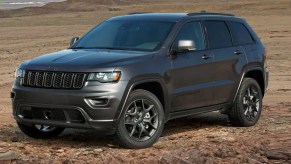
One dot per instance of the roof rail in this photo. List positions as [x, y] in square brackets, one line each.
[138, 13]
[203, 12]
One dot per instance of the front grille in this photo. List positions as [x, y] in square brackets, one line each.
[64, 80]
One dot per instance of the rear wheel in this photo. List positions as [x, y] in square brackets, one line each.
[248, 104]
[142, 122]
[40, 131]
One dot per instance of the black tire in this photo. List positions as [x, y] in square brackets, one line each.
[247, 107]
[137, 119]
[40, 131]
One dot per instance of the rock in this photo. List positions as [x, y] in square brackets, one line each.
[55, 148]
[14, 139]
[172, 138]
[86, 152]
[168, 158]
[60, 150]
[8, 156]
[158, 146]
[2, 150]
[276, 155]
[66, 161]
[98, 150]
[111, 145]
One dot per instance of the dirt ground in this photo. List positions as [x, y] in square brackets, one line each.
[207, 138]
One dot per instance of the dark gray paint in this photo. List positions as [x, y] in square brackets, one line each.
[190, 83]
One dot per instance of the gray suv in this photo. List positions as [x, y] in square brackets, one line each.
[131, 74]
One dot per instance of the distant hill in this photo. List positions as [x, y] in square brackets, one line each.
[66, 6]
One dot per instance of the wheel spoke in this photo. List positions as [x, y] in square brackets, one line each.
[149, 122]
[135, 110]
[254, 92]
[254, 108]
[133, 130]
[141, 130]
[129, 122]
[246, 110]
[155, 115]
[45, 128]
[149, 109]
[255, 113]
[249, 92]
[146, 132]
[244, 101]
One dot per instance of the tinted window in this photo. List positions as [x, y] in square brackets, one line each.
[218, 34]
[128, 35]
[240, 34]
[192, 31]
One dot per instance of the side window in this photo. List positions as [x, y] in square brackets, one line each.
[240, 34]
[218, 34]
[192, 31]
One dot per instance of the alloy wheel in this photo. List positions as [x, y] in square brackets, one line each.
[141, 120]
[251, 103]
[44, 128]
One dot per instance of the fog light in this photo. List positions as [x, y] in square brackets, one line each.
[97, 101]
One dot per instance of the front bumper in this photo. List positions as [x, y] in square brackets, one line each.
[69, 108]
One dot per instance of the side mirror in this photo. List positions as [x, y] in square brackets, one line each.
[74, 40]
[186, 45]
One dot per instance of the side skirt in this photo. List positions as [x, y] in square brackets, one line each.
[195, 111]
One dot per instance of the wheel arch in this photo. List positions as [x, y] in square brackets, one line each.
[258, 75]
[154, 85]
[255, 73]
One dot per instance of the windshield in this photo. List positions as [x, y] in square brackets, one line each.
[126, 35]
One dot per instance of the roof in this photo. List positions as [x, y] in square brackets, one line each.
[171, 17]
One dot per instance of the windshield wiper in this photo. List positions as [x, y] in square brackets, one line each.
[78, 48]
[108, 48]
[113, 48]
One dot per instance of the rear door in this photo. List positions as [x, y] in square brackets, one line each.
[228, 61]
[191, 77]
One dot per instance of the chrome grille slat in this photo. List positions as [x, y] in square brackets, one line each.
[79, 80]
[31, 78]
[39, 79]
[68, 80]
[58, 78]
[48, 79]
[65, 80]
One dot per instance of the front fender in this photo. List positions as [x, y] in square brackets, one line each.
[142, 80]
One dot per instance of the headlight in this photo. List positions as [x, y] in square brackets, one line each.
[19, 73]
[104, 77]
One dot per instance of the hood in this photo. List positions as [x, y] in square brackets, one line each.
[84, 60]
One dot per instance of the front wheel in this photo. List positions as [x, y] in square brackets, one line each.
[248, 104]
[40, 131]
[141, 122]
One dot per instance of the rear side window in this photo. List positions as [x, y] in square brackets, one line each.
[240, 34]
[218, 34]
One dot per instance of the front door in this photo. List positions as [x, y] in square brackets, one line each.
[191, 79]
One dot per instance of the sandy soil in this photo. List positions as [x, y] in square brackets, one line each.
[207, 138]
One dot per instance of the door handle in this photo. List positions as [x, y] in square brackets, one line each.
[237, 52]
[205, 57]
